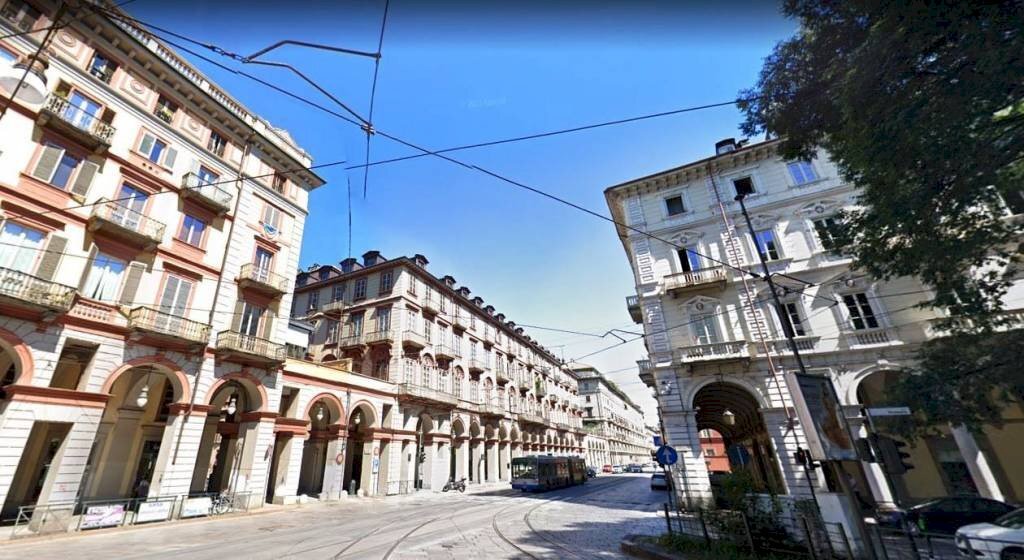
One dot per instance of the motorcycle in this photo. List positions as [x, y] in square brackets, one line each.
[455, 485]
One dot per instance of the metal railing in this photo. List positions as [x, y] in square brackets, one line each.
[421, 392]
[194, 185]
[334, 307]
[248, 344]
[78, 117]
[350, 340]
[446, 351]
[695, 278]
[714, 351]
[378, 336]
[261, 275]
[25, 287]
[129, 219]
[154, 320]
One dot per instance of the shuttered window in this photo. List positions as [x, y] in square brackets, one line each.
[19, 247]
[104, 278]
[191, 231]
[61, 169]
[157, 151]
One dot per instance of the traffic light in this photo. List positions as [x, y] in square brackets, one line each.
[894, 459]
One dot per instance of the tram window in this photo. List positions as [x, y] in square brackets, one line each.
[524, 470]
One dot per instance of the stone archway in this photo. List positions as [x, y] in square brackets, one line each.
[733, 411]
[227, 447]
[325, 416]
[362, 421]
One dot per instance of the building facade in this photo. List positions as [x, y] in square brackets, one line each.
[717, 349]
[149, 229]
[471, 390]
[612, 417]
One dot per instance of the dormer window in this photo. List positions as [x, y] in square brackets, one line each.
[102, 67]
[674, 205]
[216, 144]
[165, 109]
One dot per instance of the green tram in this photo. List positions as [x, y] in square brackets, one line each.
[538, 473]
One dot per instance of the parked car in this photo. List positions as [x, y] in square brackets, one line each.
[634, 468]
[591, 473]
[1002, 539]
[606, 469]
[946, 515]
[658, 481]
[649, 467]
[617, 469]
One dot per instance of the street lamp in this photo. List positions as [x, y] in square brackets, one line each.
[729, 418]
[232, 405]
[320, 412]
[27, 77]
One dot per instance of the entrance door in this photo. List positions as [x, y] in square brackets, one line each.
[144, 471]
[262, 263]
[251, 315]
[357, 465]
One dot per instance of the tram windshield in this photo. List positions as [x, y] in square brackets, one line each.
[524, 468]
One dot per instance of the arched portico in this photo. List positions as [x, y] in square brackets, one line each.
[362, 422]
[325, 416]
[228, 444]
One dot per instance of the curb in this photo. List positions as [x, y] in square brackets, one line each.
[635, 546]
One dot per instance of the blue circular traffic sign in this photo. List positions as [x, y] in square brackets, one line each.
[666, 455]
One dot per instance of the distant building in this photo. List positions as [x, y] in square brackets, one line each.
[611, 415]
[713, 447]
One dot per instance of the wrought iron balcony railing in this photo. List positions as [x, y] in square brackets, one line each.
[192, 186]
[35, 291]
[126, 220]
[159, 322]
[421, 393]
[236, 342]
[87, 124]
[262, 278]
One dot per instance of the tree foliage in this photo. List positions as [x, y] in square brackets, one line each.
[919, 104]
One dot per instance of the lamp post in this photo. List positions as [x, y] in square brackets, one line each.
[787, 327]
[31, 85]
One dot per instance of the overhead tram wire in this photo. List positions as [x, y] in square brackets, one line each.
[373, 94]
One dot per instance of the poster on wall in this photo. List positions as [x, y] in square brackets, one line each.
[376, 465]
[194, 507]
[108, 515]
[154, 511]
[822, 418]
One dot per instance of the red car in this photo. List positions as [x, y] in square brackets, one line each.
[606, 469]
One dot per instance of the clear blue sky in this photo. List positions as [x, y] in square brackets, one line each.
[460, 73]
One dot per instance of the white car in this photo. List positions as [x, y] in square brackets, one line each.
[1003, 539]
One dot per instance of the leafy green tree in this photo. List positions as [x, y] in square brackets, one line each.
[920, 104]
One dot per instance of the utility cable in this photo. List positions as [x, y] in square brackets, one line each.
[373, 94]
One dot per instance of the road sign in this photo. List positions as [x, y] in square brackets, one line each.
[666, 455]
[657, 441]
[889, 411]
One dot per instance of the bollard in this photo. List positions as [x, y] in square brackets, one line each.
[668, 520]
[352, 488]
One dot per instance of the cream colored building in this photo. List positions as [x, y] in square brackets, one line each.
[149, 228]
[717, 350]
[472, 390]
[611, 416]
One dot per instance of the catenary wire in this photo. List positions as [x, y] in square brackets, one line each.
[373, 94]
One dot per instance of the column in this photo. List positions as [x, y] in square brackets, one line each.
[785, 443]
[977, 464]
[384, 474]
[174, 476]
[461, 458]
[492, 461]
[442, 465]
[371, 468]
[289, 469]
[690, 474]
[476, 459]
[504, 461]
[334, 469]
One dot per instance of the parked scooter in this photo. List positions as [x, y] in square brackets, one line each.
[455, 485]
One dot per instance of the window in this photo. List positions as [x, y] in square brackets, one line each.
[271, 217]
[278, 182]
[7, 56]
[383, 319]
[674, 205]
[355, 324]
[19, 247]
[792, 311]
[802, 172]
[206, 177]
[192, 230]
[250, 319]
[174, 300]
[337, 292]
[705, 329]
[386, 281]
[411, 320]
[359, 289]
[102, 67]
[332, 330]
[313, 303]
[131, 203]
[413, 285]
[104, 278]
[324, 274]
[428, 330]
[157, 151]
[21, 14]
[766, 243]
[689, 260]
[216, 144]
[165, 109]
[862, 317]
[61, 169]
[824, 227]
[262, 261]
[744, 185]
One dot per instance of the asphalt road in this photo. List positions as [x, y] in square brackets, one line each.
[580, 522]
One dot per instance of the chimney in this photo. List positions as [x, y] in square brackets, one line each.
[349, 265]
[449, 281]
[371, 258]
[725, 146]
[420, 260]
[489, 309]
[463, 291]
[500, 317]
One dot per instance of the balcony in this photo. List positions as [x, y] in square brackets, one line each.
[872, 337]
[234, 346]
[413, 339]
[351, 341]
[502, 376]
[445, 352]
[412, 393]
[563, 426]
[540, 390]
[147, 323]
[705, 278]
[19, 289]
[259, 279]
[206, 193]
[126, 224]
[803, 344]
[732, 350]
[646, 372]
[531, 418]
[491, 410]
[431, 304]
[334, 309]
[633, 306]
[476, 365]
[378, 337]
[58, 113]
[460, 321]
